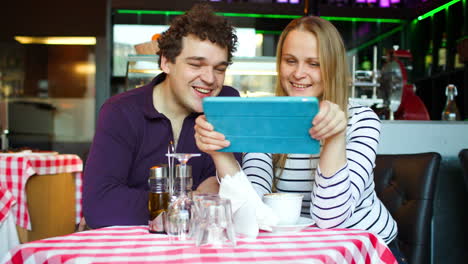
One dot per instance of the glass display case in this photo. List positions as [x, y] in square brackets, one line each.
[251, 76]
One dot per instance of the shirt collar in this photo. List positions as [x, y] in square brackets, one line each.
[148, 107]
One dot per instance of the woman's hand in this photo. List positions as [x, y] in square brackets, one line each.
[330, 121]
[208, 140]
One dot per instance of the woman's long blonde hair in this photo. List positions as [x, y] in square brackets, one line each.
[333, 65]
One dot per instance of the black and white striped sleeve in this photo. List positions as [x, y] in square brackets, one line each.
[259, 170]
[361, 150]
[335, 198]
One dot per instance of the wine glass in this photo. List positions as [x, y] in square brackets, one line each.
[179, 211]
[183, 159]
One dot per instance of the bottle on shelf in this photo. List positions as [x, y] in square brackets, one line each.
[450, 112]
[443, 53]
[458, 62]
[428, 60]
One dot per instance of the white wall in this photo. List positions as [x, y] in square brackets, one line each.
[446, 138]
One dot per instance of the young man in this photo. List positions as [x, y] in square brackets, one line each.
[134, 128]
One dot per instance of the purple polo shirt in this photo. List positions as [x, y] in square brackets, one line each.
[131, 137]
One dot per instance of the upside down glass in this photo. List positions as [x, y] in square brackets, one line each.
[213, 221]
[197, 206]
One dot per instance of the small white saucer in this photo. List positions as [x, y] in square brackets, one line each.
[302, 223]
[28, 153]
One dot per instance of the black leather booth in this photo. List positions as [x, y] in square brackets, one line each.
[405, 183]
[463, 155]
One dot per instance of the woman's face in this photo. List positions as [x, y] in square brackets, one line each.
[300, 68]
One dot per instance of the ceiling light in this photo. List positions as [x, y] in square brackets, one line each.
[56, 40]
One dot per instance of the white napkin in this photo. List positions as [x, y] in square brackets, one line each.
[249, 212]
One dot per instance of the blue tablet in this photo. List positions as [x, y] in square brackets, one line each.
[264, 124]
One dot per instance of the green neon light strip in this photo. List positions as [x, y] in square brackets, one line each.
[377, 39]
[442, 7]
[271, 32]
[168, 13]
[258, 15]
[362, 19]
[149, 12]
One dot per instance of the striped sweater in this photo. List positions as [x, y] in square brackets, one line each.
[346, 199]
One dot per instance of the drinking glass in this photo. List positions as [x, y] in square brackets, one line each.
[182, 177]
[179, 211]
[199, 201]
[214, 223]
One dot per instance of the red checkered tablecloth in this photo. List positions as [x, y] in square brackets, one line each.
[6, 202]
[16, 170]
[133, 244]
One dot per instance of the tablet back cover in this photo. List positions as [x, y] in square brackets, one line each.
[264, 124]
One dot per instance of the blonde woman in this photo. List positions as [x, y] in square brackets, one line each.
[338, 184]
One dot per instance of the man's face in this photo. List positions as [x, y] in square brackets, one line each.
[198, 72]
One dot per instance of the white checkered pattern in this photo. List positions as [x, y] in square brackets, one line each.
[16, 170]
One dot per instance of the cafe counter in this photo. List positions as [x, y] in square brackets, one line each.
[445, 137]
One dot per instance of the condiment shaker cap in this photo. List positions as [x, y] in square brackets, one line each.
[159, 171]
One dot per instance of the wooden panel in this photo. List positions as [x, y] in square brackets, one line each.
[35, 60]
[65, 79]
[53, 18]
[51, 205]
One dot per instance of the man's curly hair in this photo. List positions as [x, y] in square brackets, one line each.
[201, 22]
